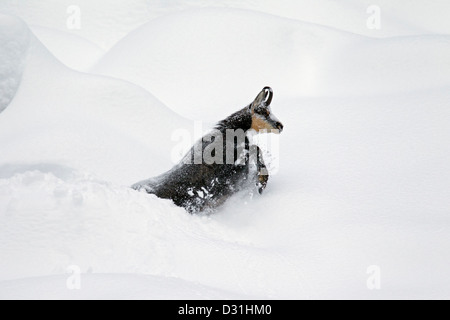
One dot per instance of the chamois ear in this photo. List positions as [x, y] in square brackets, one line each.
[260, 98]
[265, 96]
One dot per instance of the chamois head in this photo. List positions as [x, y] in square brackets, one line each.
[262, 116]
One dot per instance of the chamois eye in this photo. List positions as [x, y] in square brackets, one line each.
[267, 113]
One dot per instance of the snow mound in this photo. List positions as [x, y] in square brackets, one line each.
[66, 212]
[185, 63]
[14, 42]
[72, 50]
[202, 58]
[87, 122]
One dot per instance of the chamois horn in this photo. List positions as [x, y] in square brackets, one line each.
[268, 95]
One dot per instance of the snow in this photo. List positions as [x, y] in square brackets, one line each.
[299, 58]
[361, 178]
[74, 51]
[130, 286]
[13, 51]
[67, 109]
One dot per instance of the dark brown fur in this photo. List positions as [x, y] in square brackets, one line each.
[200, 187]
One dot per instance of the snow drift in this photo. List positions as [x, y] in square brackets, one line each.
[83, 121]
[14, 40]
[300, 59]
[363, 176]
[74, 51]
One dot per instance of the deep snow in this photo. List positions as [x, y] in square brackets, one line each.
[363, 169]
[14, 40]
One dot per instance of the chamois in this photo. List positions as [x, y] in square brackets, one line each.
[222, 163]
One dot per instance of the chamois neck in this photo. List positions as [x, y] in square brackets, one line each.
[241, 119]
